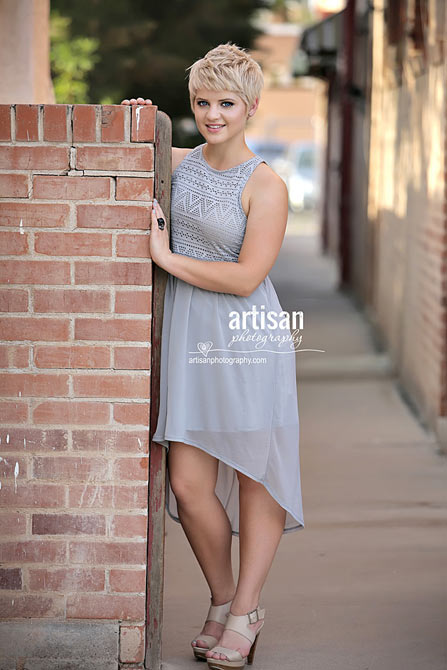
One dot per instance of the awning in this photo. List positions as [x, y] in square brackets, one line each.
[317, 52]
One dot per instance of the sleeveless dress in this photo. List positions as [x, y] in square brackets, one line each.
[227, 389]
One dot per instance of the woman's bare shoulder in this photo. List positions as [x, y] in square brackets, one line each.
[263, 182]
[178, 154]
[265, 177]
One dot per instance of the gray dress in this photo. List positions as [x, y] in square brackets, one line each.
[227, 389]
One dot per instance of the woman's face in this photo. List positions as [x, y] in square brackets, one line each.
[220, 115]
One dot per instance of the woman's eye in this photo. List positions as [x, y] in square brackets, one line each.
[226, 102]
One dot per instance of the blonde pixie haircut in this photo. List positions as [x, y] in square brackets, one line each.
[227, 67]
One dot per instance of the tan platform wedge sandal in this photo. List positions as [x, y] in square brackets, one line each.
[219, 614]
[240, 624]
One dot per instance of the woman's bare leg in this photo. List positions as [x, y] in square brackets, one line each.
[193, 476]
[261, 525]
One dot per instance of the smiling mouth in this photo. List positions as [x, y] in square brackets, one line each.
[213, 126]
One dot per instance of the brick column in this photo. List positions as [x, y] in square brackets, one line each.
[76, 184]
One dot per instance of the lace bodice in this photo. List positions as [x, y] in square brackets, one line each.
[207, 218]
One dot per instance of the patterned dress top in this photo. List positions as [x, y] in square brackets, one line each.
[207, 218]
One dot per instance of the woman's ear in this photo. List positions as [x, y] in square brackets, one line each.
[254, 107]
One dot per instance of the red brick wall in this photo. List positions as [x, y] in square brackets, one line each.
[410, 226]
[76, 183]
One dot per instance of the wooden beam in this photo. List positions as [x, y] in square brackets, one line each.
[157, 453]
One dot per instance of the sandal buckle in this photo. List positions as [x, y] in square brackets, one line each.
[253, 613]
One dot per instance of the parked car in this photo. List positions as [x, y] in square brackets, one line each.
[299, 167]
[268, 149]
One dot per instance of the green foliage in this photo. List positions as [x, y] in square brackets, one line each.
[71, 60]
[145, 46]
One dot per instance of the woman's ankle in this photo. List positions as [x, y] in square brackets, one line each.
[241, 606]
[222, 598]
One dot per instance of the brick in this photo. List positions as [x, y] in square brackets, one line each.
[113, 385]
[12, 356]
[34, 328]
[12, 523]
[95, 606]
[132, 469]
[70, 188]
[133, 246]
[33, 551]
[11, 384]
[34, 272]
[143, 123]
[73, 244]
[5, 122]
[33, 214]
[27, 123]
[11, 578]
[34, 158]
[107, 553]
[132, 358]
[8, 468]
[114, 158]
[31, 495]
[32, 606]
[112, 123]
[55, 123]
[126, 497]
[68, 524]
[132, 642]
[93, 272]
[135, 414]
[84, 123]
[66, 579]
[132, 330]
[67, 412]
[133, 302]
[13, 300]
[33, 439]
[113, 216]
[13, 412]
[13, 186]
[71, 300]
[136, 441]
[135, 188]
[70, 468]
[13, 243]
[127, 581]
[71, 357]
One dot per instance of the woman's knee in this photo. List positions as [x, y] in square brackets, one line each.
[191, 475]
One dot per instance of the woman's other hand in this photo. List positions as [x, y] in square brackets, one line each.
[159, 236]
[137, 101]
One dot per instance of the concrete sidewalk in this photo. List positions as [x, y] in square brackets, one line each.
[364, 585]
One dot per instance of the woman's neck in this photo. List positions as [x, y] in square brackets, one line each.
[225, 155]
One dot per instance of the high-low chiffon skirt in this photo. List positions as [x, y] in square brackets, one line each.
[245, 414]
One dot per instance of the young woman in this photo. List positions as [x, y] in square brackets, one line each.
[228, 399]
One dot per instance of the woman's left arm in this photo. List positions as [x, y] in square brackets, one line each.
[264, 234]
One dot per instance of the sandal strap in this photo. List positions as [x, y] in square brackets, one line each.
[219, 613]
[240, 623]
[210, 639]
[231, 654]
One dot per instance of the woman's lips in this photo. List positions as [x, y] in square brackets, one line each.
[214, 129]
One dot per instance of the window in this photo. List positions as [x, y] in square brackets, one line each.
[395, 17]
[419, 32]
